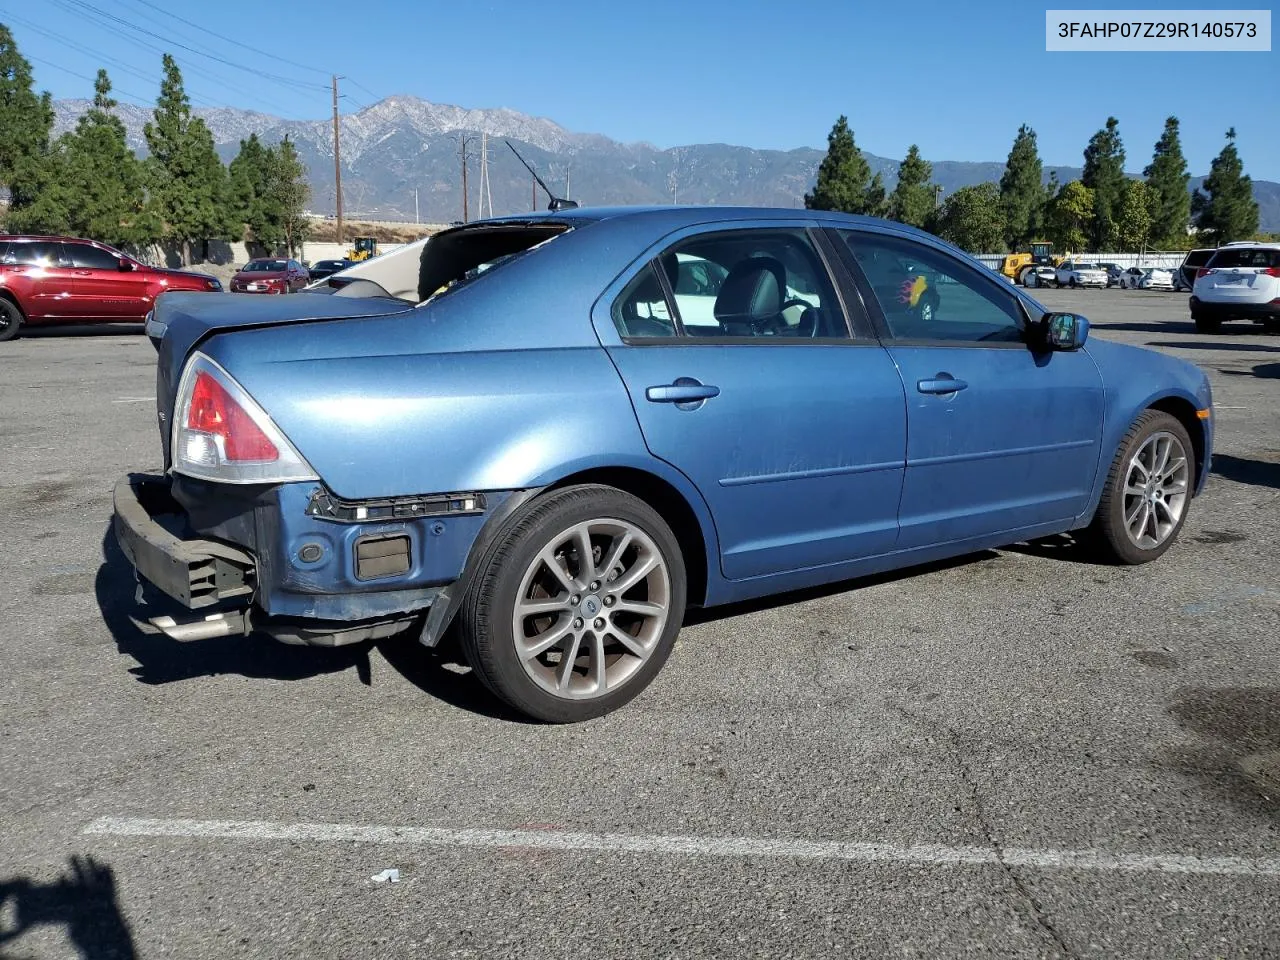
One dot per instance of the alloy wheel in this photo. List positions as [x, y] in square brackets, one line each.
[1156, 487]
[591, 608]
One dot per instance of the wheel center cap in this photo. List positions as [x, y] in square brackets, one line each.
[591, 605]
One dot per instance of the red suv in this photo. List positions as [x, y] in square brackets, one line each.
[48, 280]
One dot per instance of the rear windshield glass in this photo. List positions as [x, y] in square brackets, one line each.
[1246, 257]
[459, 257]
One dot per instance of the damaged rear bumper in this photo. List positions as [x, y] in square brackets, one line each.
[267, 562]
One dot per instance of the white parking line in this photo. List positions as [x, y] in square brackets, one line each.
[920, 854]
[132, 399]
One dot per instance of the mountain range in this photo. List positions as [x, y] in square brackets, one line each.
[403, 144]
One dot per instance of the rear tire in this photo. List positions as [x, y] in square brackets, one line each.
[522, 617]
[10, 320]
[1148, 491]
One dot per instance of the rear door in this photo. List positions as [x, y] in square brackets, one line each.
[791, 425]
[999, 437]
[102, 289]
[48, 280]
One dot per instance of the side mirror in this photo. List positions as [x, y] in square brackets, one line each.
[124, 264]
[1065, 331]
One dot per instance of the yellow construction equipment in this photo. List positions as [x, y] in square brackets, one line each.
[365, 249]
[1016, 266]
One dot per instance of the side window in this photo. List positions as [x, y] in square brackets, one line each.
[37, 253]
[642, 309]
[91, 258]
[927, 295]
[4, 250]
[753, 283]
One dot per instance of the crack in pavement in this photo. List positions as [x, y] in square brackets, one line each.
[1030, 905]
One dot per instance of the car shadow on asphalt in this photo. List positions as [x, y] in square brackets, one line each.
[1215, 345]
[700, 615]
[83, 330]
[83, 901]
[1158, 326]
[1257, 473]
[1266, 371]
[441, 672]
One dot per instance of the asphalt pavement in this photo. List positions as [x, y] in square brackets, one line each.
[1016, 754]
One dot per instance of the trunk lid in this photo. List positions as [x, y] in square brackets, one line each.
[181, 321]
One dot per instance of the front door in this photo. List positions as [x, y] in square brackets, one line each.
[745, 377]
[103, 290]
[1001, 437]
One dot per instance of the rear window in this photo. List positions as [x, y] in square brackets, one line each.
[1260, 257]
[457, 257]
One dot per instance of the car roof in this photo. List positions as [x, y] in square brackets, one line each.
[1252, 244]
[674, 216]
[6, 238]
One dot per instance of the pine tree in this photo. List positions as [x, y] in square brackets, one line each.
[1069, 217]
[843, 174]
[1227, 210]
[1167, 179]
[972, 219]
[248, 192]
[103, 175]
[290, 191]
[1104, 175]
[1133, 229]
[876, 201]
[26, 120]
[1021, 190]
[912, 199]
[189, 186]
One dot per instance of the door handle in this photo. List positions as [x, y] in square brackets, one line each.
[942, 383]
[84, 273]
[684, 390]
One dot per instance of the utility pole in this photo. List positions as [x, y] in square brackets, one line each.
[415, 205]
[567, 168]
[337, 160]
[937, 192]
[533, 191]
[462, 140]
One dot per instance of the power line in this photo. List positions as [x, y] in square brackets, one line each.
[361, 86]
[188, 68]
[114, 89]
[87, 51]
[273, 56]
[255, 71]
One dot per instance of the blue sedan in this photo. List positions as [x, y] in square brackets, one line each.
[556, 432]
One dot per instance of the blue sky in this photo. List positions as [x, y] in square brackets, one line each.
[955, 78]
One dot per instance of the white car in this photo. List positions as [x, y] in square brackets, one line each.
[1156, 279]
[1240, 282]
[1072, 274]
[1041, 276]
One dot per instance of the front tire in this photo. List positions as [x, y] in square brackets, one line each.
[577, 605]
[1148, 491]
[10, 320]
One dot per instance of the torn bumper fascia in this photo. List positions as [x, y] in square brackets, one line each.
[263, 558]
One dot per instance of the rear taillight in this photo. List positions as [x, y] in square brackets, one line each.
[1272, 271]
[220, 433]
[214, 414]
[1202, 272]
